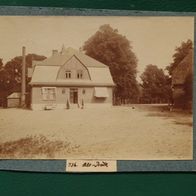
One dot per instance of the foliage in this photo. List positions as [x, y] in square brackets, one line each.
[10, 74]
[67, 104]
[35, 146]
[155, 83]
[115, 50]
[180, 53]
[1, 63]
[82, 104]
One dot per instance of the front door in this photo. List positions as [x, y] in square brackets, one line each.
[74, 95]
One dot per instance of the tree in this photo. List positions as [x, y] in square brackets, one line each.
[1, 63]
[4, 78]
[115, 50]
[10, 74]
[156, 85]
[180, 53]
[12, 71]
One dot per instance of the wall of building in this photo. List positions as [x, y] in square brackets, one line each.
[73, 65]
[63, 95]
[13, 102]
[178, 95]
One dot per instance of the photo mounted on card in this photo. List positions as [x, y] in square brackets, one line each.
[96, 88]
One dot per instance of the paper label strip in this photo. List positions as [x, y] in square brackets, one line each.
[91, 166]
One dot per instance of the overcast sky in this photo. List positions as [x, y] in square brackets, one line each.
[153, 38]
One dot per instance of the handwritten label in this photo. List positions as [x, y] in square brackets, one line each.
[91, 166]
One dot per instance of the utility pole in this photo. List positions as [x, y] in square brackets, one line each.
[23, 80]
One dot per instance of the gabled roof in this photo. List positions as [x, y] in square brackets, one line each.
[63, 56]
[14, 95]
[181, 71]
[45, 72]
[88, 61]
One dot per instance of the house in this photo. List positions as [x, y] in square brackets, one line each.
[179, 76]
[70, 78]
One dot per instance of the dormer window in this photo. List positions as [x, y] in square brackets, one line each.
[79, 74]
[68, 74]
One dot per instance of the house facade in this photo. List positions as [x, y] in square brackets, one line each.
[179, 76]
[70, 79]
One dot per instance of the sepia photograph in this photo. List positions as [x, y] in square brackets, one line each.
[96, 87]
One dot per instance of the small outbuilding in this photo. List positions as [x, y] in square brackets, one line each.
[179, 76]
[13, 100]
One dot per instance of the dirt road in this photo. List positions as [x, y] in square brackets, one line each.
[139, 133]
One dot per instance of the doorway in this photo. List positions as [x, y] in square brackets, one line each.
[74, 95]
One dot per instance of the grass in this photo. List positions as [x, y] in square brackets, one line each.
[33, 146]
[180, 117]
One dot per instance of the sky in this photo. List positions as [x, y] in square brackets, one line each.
[153, 39]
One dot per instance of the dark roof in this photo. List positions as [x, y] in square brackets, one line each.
[181, 71]
[63, 56]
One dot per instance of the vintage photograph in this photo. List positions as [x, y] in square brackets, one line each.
[96, 87]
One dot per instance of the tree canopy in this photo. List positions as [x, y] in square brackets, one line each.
[180, 53]
[1, 63]
[10, 74]
[115, 50]
[155, 83]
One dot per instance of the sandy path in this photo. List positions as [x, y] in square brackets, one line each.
[117, 133]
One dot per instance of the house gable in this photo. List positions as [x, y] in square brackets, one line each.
[73, 69]
[183, 69]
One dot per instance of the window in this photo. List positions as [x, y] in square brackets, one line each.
[68, 74]
[79, 74]
[48, 93]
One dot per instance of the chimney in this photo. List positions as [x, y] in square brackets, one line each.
[23, 80]
[54, 52]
